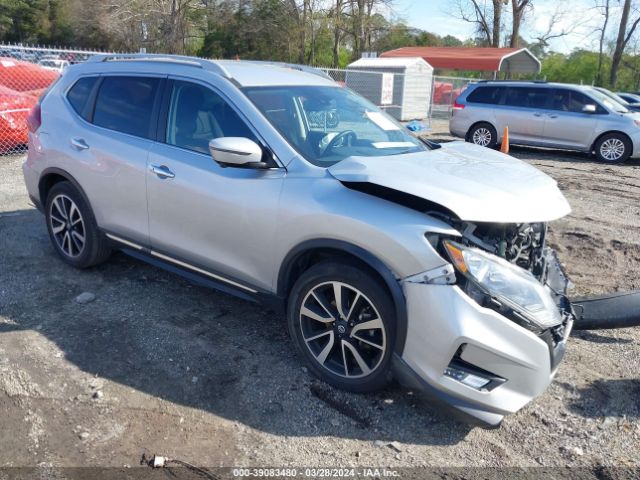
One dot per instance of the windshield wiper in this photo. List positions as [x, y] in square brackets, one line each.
[430, 144]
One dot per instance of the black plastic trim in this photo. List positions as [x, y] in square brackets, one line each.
[365, 256]
[145, 254]
[192, 276]
[67, 176]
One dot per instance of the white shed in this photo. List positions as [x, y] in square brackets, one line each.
[401, 86]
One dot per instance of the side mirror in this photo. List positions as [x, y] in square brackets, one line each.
[589, 108]
[236, 152]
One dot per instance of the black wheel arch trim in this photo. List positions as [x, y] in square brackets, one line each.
[391, 282]
[67, 176]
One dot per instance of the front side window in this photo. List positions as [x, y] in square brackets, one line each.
[570, 101]
[329, 124]
[197, 114]
[125, 104]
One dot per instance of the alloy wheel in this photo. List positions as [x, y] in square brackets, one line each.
[612, 149]
[342, 329]
[67, 226]
[482, 137]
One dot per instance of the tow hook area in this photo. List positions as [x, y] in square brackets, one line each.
[619, 310]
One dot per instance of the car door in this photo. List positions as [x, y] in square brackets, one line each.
[213, 219]
[522, 110]
[567, 125]
[108, 155]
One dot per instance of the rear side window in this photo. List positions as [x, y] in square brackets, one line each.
[79, 94]
[527, 97]
[490, 95]
[125, 104]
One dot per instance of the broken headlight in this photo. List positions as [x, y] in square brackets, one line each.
[507, 285]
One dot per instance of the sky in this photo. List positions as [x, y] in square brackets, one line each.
[576, 15]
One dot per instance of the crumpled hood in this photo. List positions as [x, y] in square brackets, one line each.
[476, 183]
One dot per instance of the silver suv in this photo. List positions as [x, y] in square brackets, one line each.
[391, 256]
[554, 115]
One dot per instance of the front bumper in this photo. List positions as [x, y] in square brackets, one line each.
[442, 319]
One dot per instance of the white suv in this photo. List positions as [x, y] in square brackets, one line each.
[390, 255]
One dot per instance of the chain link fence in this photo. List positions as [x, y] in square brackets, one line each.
[25, 73]
[444, 92]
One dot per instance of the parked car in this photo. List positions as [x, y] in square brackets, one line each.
[391, 256]
[53, 64]
[554, 115]
[14, 108]
[617, 98]
[25, 76]
[632, 98]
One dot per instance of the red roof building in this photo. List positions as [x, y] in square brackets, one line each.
[509, 60]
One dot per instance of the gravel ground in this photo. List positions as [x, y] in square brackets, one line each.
[156, 365]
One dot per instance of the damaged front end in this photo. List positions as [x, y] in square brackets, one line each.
[508, 268]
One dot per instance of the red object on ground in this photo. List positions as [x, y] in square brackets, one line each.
[471, 58]
[14, 109]
[24, 76]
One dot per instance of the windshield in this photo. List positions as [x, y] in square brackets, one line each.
[610, 100]
[329, 124]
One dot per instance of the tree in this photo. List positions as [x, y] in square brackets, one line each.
[624, 35]
[518, 9]
[605, 10]
[487, 20]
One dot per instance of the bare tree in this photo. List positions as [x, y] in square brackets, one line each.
[487, 21]
[626, 29]
[542, 39]
[337, 16]
[605, 9]
[518, 9]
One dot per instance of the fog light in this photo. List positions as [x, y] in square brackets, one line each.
[469, 379]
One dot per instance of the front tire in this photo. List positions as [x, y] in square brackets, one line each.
[72, 227]
[342, 323]
[484, 135]
[613, 148]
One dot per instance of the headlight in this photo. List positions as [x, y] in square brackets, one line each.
[507, 283]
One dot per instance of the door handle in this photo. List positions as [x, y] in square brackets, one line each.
[79, 144]
[553, 116]
[537, 114]
[162, 171]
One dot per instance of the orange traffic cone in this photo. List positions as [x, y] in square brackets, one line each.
[504, 147]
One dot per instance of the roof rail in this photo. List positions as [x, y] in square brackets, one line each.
[157, 57]
[512, 81]
[294, 66]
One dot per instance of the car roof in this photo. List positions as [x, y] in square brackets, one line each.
[245, 73]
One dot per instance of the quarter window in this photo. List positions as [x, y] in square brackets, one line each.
[79, 94]
[197, 114]
[125, 104]
[489, 95]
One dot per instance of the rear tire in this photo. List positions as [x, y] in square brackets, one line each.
[73, 229]
[613, 148]
[350, 350]
[483, 134]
